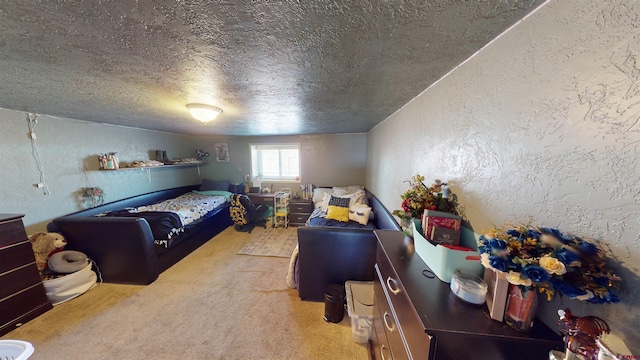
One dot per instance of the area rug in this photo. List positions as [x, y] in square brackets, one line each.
[272, 242]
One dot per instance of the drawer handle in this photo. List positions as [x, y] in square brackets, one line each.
[395, 289]
[383, 349]
[392, 327]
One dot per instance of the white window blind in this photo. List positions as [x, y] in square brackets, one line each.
[275, 162]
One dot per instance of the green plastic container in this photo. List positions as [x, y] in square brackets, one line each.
[444, 261]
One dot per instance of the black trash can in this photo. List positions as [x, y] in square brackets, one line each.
[334, 303]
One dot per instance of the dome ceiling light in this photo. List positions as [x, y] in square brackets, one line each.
[204, 112]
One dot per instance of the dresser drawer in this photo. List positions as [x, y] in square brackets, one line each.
[381, 347]
[418, 342]
[298, 218]
[19, 305]
[388, 324]
[18, 279]
[11, 232]
[15, 256]
[301, 207]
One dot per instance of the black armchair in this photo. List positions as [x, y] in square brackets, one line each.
[245, 214]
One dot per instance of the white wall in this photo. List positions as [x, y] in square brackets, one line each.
[66, 145]
[330, 159]
[544, 122]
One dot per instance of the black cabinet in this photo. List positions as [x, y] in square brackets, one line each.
[22, 295]
[299, 211]
[417, 316]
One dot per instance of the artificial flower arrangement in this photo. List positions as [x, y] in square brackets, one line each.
[201, 155]
[550, 260]
[421, 197]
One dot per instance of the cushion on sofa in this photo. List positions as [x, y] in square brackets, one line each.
[360, 213]
[339, 201]
[339, 213]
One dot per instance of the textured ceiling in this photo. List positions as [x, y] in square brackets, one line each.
[274, 67]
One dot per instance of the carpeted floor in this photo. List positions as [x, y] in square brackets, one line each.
[277, 242]
[214, 304]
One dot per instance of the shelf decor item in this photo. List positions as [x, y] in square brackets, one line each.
[521, 306]
[420, 197]
[202, 155]
[549, 260]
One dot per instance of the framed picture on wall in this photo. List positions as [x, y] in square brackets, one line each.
[222, 152]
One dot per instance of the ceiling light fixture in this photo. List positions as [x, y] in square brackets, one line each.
[204, 112]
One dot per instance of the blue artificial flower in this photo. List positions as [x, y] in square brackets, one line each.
[497, 244]
[535, 273]
[565, 288]
[555, 232]
[586, 247]
[528, 234]
[608, 298]
[567, 257]
[497, 263]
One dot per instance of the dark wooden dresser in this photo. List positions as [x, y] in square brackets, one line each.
[417, 317]
[300, 210]
[22, 295]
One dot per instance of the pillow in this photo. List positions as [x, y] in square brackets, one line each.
[360, 214]
[339, 201]
[318, 195]
[226, 194]
[347, 190]
[359, 198]
[325, 201]
[214, 185]
[338, 213]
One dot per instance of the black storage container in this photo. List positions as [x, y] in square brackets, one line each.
[334, 303]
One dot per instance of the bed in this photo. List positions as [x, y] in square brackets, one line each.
[170, 218]
[353, 198]
[135, 239]
[345, 251]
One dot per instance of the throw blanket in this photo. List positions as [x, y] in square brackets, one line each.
[170, 217]
[292, 273]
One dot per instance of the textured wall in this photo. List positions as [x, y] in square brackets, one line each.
[544, 122]
[65, 145]
[330, 159]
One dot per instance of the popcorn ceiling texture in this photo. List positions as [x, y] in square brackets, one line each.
[274, 67]
[542, 123]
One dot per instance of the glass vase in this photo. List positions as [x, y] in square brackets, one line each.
[522, 303]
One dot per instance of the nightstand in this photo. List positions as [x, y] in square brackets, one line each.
[300, 210]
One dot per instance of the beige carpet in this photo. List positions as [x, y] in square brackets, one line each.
[278, 242]
[214, 304]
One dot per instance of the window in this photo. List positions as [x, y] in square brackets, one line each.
[275, 162]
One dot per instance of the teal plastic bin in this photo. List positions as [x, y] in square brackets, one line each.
[444, 261]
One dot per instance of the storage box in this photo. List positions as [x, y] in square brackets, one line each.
[441, 227]
[444, 261]
[360, 309]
